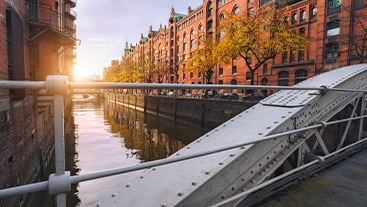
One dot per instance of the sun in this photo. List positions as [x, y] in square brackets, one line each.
[79, 74]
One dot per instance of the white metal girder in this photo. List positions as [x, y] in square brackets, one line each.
[209, 179]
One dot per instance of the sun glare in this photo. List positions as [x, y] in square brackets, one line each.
[79, 74]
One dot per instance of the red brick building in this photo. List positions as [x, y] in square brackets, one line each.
[37, 39]
[333, 26]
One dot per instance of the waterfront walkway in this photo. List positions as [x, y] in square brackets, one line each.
[343, 184]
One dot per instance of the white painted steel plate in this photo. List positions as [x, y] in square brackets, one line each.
[294, 98]
[198, 181]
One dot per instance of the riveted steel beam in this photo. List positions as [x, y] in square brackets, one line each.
[207, 180]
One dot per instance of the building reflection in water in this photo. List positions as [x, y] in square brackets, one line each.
[146, 136]
[100, 135]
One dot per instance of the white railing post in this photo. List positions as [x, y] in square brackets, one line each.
[59, 182]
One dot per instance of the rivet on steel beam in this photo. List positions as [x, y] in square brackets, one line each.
[223, 196]
[164, 205]
[221, 163]
[180, 194]
[194, 183]
[207, 172]
[177, 154]
[113, 195]
[127, 185]
[232, 155]
[141, 177]
[242, 147]
[99, 204]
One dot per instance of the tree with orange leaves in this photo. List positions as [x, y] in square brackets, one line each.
[204, 59]
[260, 34]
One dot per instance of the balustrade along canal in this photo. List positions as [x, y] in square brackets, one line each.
[290, 134]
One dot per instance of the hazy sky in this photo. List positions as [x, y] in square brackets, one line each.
[104, 26]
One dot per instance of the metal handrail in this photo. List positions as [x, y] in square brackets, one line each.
[30, 188]
[5, 84]
[58, 86]
[286, 174]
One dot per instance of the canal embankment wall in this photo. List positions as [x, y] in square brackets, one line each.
[203, 112]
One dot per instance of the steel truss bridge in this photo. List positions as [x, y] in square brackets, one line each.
[285, 137]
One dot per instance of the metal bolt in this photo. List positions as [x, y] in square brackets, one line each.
[193, 183]
[180, 194]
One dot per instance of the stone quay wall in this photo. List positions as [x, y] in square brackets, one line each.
[203, 112]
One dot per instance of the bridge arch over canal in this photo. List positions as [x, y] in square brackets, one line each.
[264, 151]
[290, 134]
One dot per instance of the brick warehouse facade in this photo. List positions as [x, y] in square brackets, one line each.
[37, 39]
[331, 26]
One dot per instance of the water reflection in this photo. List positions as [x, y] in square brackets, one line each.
[148, 137]
[109, 136]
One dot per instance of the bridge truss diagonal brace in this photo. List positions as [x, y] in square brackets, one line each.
[342, 140]
[320, 142]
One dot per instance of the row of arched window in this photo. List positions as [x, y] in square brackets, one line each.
[283, 78]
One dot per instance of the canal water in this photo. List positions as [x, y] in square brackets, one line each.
[100, 136]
